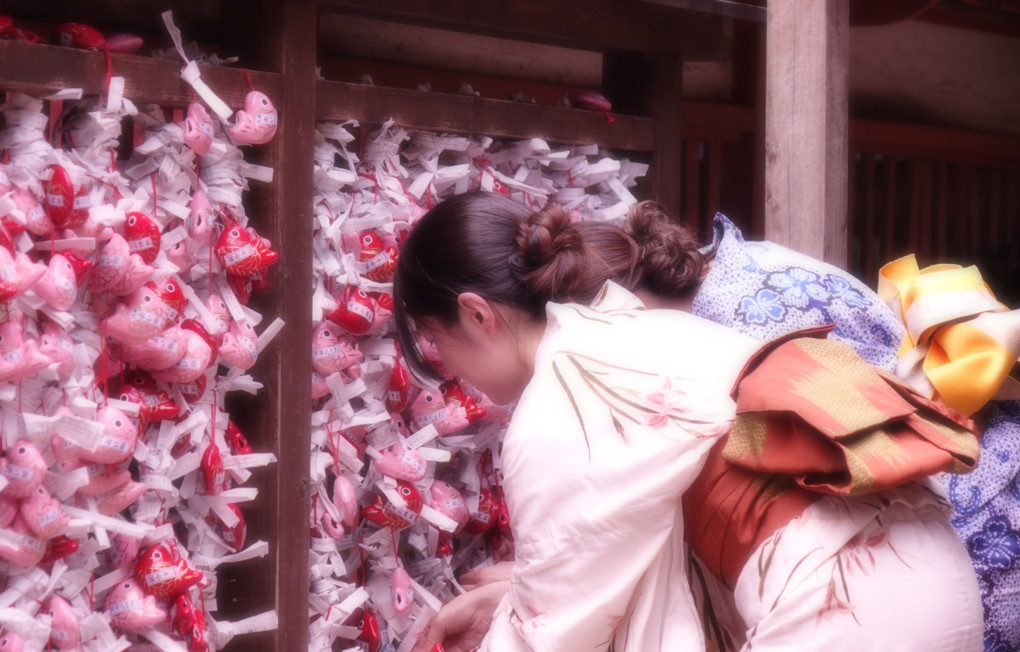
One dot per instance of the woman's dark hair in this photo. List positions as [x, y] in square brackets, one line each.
[671, 264]
[495, 247]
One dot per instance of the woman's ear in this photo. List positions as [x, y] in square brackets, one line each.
[477, 315]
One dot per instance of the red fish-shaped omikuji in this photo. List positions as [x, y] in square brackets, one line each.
[212, 470]
[399, 390]
[355, 312]
[453, 393]
[76, 35]
[161, 575]
[66, 207]
[378, 263]
[236, 440]
[189, 623]
[387, 514]
[234, 535]
[242, 252]
[143, 236]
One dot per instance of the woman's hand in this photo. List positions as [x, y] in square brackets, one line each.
[463, 622]
[479, 577]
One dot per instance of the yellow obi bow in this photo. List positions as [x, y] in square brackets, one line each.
[961, 344]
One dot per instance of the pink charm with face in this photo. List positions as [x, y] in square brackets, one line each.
[57, 347]
[142, 315]
[130, 608]
[180, 255]
[11, 642]
[24, 468]
[42, 514]
[240, 346]
[19, 352]
[111, 266]
[143, 236]
[121, 498]
[36, 219]
[27, 549]
[256, 123]
[401, 464]
[103, 479]
[446, 500]
[160, 352]
[331, 351]
[161, 575]
[198, 355]
[58, 286]
[430, 407]
[403, 594]
[64, 628]
[117, 443]
[173, 297]
[123, 550]
[345, 500]
[198, 129]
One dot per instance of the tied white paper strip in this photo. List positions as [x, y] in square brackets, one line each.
[192, 75]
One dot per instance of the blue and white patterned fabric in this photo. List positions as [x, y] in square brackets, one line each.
[765, 290]
[987, 516]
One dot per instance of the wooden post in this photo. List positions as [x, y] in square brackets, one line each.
[806, 126]
[667, 172]
[283, 39]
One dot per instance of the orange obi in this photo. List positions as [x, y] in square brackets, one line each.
[813, 418]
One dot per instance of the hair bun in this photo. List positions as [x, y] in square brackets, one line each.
[671, 264]
[550, 253]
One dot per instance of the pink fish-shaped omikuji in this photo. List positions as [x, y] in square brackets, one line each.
[449, 502]
[378, 263]
[332, 351]
[452, 393]
[346, 503]
[8, 509]
[24, 468]
[117, 443]
[200, 350]
[11, 642]
[233, 536]
[103, 479]
[400, 589]
[82, 266]
[429, 407]
[36, 219]
[242, 252]
[160, 352]
[58, 286]
[142, 234]
[355, 312]
[17, 274]
[130, 608]
[164, 574]
[43, 514]
[173, 297]
[198, 129]
[26, 550]
[180, 254]
[117, 270]
[240, 346]
[256, 123]
[21, 354]
[64, 627]
[189, 624]
[123, 550]
[200, 218]
[56, 345]
[121, 498]
[218, 307]
[387, 514]
[402, 464]
[142, 315]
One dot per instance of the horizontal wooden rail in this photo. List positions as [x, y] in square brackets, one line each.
[598, 25]
[939, 143]
[37, 68]
[475, 115]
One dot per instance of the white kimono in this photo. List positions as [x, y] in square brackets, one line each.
[615, 424]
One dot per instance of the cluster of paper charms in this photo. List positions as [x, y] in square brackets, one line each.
[123, 323]
[405, 477]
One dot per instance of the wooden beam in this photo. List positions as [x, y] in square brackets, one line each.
[474, 115]
[806, 127]
[593, 25]
[728, 8]
[936, 143]
[666, 174]
[37, 69]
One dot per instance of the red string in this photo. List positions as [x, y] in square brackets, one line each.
[153, 175]
[609, 119]
[247, 75]
[570, 178]
[109, 68]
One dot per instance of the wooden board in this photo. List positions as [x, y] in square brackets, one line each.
[474, 115]
[36, 69]
[593, 25]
